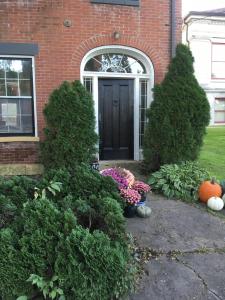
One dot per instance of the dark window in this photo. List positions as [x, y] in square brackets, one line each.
[16, 97]
[119, 2]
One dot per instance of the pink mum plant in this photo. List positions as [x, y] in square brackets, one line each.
[131, 196]
[141, 187]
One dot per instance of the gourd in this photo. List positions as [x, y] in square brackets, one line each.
[215, 203]
[209, 189]
[143, 211]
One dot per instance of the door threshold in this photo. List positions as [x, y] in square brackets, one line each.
[104, 164]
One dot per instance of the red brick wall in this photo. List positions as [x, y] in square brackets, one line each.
[19, 152]
[62, 48]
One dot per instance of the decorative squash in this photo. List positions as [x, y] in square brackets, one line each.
[143, 211]
[209, 189]
[215, 203]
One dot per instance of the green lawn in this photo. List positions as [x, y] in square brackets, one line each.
[212, 156]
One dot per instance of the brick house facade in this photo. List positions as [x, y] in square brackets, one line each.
[52, 38]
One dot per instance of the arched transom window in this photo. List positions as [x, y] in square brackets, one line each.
[115, 63]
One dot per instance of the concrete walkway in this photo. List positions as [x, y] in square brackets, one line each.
[188, 252]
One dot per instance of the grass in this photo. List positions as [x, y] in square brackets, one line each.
[212, 156]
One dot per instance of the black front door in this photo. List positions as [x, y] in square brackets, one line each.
[116, 97]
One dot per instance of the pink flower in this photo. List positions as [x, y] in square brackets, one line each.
[130, 196]
[141, 187]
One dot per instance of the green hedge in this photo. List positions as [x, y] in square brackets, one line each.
[77, 235]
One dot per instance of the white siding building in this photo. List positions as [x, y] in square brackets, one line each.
[204, 32]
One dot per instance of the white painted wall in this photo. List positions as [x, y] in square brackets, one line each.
[201, 33]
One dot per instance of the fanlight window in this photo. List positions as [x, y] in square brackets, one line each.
[115, 62]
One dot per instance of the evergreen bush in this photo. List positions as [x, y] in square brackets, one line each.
[76, 235]
[70, 136]
[178, 115]
[93, 198]
[49, 242]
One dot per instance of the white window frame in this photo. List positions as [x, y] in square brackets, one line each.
[33, 87]
[144, 59]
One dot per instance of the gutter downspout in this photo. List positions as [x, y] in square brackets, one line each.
[187, 32]
[173, 27]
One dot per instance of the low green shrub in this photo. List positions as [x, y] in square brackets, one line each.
[14, 192]
[73, 231]
[88, 265]
[179, 181]
[83, 183]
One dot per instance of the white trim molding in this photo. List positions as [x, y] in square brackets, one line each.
[149, 75]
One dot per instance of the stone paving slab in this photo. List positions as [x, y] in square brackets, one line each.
[175, 225]
[197, 276]
[168, 279]
[210, 267]
[189, 244]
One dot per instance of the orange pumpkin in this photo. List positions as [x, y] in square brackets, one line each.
[209, 189]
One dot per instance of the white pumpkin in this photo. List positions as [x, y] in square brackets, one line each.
[143, 211]
[215, 203]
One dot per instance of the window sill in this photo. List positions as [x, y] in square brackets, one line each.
[117, 2]
[9, 139]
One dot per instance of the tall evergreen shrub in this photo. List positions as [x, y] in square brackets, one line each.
[70, 132]
[177, 116]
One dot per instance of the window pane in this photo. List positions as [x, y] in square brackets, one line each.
[12, 88]
[92, 65]
[88, 84]
[16, 116]
[219, 104]
[26, 69]
[2, 87]
[142, 110]
[220, 117]
[218, 52]
[2, 71]
[115, 62]
[218, 70]
[25, 88]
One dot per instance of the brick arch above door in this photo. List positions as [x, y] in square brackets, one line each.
[160, 64]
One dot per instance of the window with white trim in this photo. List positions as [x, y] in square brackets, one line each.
[115, 63]
[143, 104]
[88, 84]
[218, 61]
[219, 108]
[16, 97]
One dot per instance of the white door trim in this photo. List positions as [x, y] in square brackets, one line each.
[137, 77]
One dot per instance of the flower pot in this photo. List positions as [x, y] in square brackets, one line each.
[140, 203]
[129, 211]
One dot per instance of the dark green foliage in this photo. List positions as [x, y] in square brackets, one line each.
[70, 133]
[179, 181]
[14, 192]
[96, 267]
[177, 116]
[83, 182]
[93, 198]
[13, 273]
[89, 265]
[78, 235]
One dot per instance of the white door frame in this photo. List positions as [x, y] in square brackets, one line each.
[149, 76]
